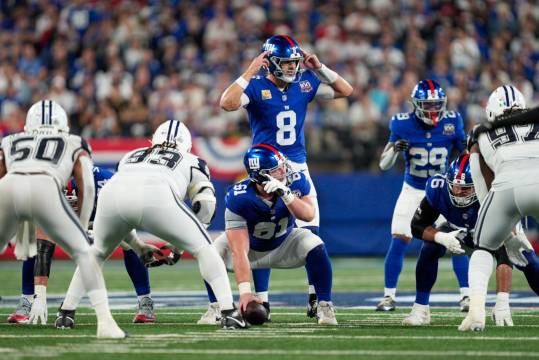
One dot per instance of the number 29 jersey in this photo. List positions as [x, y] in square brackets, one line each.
[430, 147]
[277, 117]
[51, 152]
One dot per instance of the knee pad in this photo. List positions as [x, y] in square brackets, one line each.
[45, 251]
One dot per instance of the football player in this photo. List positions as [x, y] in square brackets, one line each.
[277, 104]
[34, 167]
[147, 192]
[33, 308]
[453, 196]
[425, 137]
[260, 233]
[504, 163]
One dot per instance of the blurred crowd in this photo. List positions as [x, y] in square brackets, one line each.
[120, 68]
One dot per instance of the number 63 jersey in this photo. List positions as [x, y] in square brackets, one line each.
[51, 152]
[430, 147]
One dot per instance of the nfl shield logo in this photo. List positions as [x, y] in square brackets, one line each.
[449, 129]
[305, 86]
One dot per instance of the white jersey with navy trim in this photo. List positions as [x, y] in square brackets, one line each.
[50, 152]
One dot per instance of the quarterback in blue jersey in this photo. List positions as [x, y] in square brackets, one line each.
[426, 138]
[277, 105]
[452, 196]
[32, 306]
[260, 228]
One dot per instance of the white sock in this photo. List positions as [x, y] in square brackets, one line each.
[75, 292]
[464, 291]
[139, 297]
[28, 297]
[311, 290]
[481, 263]
[263, 295]
[390, 292]
[100, 302]
[212, 268]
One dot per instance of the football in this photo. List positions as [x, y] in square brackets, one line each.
[255, 313]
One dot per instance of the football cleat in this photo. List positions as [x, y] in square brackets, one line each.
[268, 311]
[311, 306]
[145, 313]
[387, 304]
[212, 316]
[464, 304]
[65, 319]
[419, 316]
[232, 319]
[325, 312]
[22, 312]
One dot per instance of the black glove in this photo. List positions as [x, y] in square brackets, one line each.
[158, 258]
[401, 145]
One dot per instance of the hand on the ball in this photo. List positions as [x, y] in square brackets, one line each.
[246, 299]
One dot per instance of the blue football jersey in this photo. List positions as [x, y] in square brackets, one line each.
[101, 176]
[437, 194]
[277, 117]
[430, 148]
[268, 225]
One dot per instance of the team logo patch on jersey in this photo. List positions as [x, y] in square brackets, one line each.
[266, 94]
[305, 86]
[449, 129]
[254, 163]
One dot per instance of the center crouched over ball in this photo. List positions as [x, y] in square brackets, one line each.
[255, 313]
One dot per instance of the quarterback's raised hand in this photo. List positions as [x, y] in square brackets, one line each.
[311, 61]
[401, 145]
[450, 241]
[259, 62]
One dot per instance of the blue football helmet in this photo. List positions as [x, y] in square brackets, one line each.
[460, 183]
[429, 101]
[261, 160]
[283, 48]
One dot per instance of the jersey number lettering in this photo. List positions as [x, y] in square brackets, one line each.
[507, 135]
[286, 123]
[436, 158]
[268, 230]
[48, 149]
[163, 157]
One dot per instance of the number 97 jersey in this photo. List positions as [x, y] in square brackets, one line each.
[277, 117]
[430, 147]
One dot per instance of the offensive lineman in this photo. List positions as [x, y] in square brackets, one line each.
[34, 167]
[426, 137]
[147, 192]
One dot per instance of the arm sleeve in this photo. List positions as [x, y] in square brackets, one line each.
[315, 82]
[424, 216]
[234, 221]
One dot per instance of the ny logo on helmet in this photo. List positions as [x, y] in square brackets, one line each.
[254, 163]
[269, 47]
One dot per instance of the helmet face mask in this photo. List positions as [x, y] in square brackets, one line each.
[46, 115]
[429, 101]
[459, 182]
[173, 133]
[262, 160]
[285, 56]
[504, 99]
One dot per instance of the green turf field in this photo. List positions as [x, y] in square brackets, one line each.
[360, 334]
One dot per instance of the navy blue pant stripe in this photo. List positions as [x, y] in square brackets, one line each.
[195, 220]
[482, 214]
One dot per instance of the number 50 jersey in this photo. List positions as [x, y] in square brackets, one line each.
[430, 147]
[51, 152]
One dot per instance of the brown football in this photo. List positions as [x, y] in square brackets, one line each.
[255, 313]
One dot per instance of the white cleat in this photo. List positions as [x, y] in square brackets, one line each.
[110, 330]
[475, 320]
[419, 316]
[212, 316]
[325, 313]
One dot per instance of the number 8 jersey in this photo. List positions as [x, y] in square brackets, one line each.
[50, 152]
[277, 117]
[430, 147]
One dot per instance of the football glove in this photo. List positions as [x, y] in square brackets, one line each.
[501, 314]
[279, 188]
[158, 258]
[401, 145]
[515, 245]
[39, 311]
[450, 241]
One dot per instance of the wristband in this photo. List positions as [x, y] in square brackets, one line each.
[242, 83]
[244, 287]
[326, 75]
[288, 197]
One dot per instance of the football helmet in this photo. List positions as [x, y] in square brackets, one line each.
[261, 160]
[459, 182]
[283, 48]
[429, 101]
[46, 114]
[504, 98]
[173, 133]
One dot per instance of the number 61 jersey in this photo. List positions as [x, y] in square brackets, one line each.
[46, 151]
[430, 147]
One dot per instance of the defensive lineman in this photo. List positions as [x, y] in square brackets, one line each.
[34, 167]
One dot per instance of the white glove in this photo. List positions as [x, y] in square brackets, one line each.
[450, 241]
[501, 314]
[515, 245]
[275, 186]
[39, 310]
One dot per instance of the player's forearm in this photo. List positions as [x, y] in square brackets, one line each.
[238, 240]
[342, 88]
[302, 209]
[388, 158]
[429, 233]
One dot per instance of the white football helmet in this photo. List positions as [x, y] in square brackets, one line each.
[46, 114]
[504, 98]
[173, 132]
